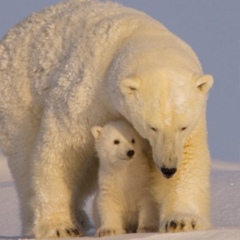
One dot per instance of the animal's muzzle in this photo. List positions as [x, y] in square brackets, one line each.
[168, 172]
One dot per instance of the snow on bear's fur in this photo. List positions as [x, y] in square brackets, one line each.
[83, 63]
[123, 202]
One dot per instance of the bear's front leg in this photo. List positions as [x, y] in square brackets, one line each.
[184, 198]
[52, 203]
[185, 206]
[55, 173]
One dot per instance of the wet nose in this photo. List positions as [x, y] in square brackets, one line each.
[130, 153]
[168, 172]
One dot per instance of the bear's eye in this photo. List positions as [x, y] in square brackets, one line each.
[133, 140]
[116, 142]
[153, 129]
[183, 128]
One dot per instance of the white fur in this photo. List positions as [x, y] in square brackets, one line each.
[123, 202]
[83, 63]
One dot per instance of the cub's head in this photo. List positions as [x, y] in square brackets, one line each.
[117, 141]
[164, 105]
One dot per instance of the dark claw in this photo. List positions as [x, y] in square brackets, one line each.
[193, 224]
[173, 224]
[68, 232]
[182, 225]
[58, 234]
[75, 231]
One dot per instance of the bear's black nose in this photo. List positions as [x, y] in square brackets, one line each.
[168, 172]
[130, 153]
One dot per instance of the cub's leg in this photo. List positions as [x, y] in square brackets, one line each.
[148, 216]
[109, 214]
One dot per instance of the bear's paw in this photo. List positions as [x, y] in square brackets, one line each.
[57, 231]
[108, 231]
[183, 223]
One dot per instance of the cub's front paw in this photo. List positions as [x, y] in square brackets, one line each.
[183, 223]
[68, 232]
[105, 231]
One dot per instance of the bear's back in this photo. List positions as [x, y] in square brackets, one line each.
[62, 25]
[64, 41]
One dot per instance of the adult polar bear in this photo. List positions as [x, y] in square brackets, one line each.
[83, 63]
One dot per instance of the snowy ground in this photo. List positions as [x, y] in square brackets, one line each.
[225, 208]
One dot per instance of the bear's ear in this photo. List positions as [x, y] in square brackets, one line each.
[129, 85]
[96, 132]
[204, 83]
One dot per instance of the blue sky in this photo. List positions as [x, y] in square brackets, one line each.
[212, 28]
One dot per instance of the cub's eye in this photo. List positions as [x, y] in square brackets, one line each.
[133, 140]
[116, 142]
[183, 128]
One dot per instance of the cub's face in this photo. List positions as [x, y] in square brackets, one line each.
[164, 107]
[116, 142]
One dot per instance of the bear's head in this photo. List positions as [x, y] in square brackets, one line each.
[116, 142]
[163, 102]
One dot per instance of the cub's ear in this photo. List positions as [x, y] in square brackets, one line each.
[204, 83]
[129, 85]
[96, 131]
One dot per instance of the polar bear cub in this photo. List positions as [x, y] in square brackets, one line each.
[123, 202]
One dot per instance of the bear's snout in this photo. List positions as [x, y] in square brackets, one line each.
[130, 153]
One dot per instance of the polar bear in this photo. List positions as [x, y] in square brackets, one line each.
[123, 202]
[83, 63]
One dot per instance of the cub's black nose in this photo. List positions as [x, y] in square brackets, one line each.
[130, 153]
[168, 172]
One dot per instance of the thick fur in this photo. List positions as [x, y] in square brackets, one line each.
[83, 63]
[123, 202]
